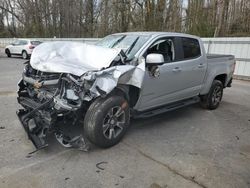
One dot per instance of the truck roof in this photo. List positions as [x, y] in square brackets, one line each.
[156, 34]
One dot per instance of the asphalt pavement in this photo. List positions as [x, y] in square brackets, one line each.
[189, 147]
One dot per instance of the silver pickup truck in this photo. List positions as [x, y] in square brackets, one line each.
[100, 87]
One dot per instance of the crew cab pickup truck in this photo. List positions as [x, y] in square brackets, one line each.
[126, 75]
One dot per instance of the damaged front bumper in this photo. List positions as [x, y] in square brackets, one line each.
[39, 125]
[50, 99]
[41, 118]
[38, 137]
[36, 121]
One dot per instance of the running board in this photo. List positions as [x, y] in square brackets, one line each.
[166, 108]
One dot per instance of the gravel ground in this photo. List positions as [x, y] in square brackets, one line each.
[189, 147]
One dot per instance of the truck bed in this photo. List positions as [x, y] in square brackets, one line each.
[215, 57]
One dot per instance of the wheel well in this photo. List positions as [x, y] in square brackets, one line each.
[7, 50]
[134, 93]
[129, 92]
[24, 51]
[222, 78]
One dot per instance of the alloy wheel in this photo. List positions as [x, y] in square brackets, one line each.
[217, 94]
[113, 123]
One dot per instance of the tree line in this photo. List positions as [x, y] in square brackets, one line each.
[97, 18]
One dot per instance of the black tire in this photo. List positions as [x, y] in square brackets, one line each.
[98, 119]
[7, 51]
[25, 55]
[212, 100]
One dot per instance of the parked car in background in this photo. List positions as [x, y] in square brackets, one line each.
[23, 47]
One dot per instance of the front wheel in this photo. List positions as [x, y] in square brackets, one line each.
[24, 55]
[7, 51]
[212, 100]
[107, 121]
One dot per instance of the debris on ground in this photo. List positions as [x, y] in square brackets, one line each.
[98, 165]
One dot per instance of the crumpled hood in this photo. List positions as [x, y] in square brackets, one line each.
[71, 57]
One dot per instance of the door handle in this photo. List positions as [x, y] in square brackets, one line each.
[201, 65]
[177, 69]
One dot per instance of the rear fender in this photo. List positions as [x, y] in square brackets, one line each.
[211, 77]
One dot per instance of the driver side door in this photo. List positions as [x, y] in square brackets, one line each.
[177, 78]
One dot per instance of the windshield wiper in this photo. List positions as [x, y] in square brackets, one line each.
[132, 46]
[118, 41]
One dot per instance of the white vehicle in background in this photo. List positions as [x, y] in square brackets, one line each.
[23, 47]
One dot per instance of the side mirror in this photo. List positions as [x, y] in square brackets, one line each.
[156, 59]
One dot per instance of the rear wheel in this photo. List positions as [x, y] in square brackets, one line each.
[7, 51]
[107, 121]
[212, 100]
[24, 55]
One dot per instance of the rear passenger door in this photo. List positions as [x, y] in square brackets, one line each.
[179, 78]
[194, 64]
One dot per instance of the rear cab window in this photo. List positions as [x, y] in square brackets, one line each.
[191, 48]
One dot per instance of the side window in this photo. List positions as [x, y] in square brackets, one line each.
[16, 42]
[191, 48]
[164, 46]
[23, 42]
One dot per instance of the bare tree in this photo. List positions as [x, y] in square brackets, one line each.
[97, 18]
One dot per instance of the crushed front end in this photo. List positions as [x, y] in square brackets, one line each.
[62, 80]
[49, 101]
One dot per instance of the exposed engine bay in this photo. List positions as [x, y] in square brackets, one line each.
[51, 99]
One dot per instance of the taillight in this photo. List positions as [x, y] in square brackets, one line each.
[31, 47]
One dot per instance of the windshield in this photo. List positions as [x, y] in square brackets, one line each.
[130, 44]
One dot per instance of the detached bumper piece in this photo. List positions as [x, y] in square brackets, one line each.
[38, 140]
[36, 122]
[40, 121]
[45, 112]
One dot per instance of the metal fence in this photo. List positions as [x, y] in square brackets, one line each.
[237, 46]
[5, 41]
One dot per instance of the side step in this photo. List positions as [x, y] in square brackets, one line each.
[166, 108]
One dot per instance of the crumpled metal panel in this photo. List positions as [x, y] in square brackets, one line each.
[71, 57]
[88, 62]
[106, 80]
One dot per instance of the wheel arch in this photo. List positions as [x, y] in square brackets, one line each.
[23, 50]
[129, 92]
[222, 78]
[6, 50]
[213, 75]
